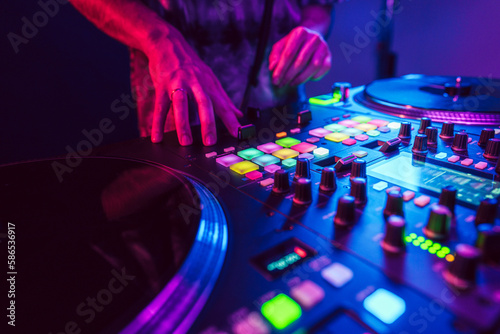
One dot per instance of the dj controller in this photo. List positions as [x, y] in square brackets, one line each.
[369, 209]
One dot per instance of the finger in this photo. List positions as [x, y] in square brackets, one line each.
[274, 56]
[159, 115]
[312, 68]
[207, 118]
[327, 64]
[303, 58]
[227, 115]
[181, 115]
[294, 43]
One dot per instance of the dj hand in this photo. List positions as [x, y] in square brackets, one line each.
[300, 56]
[179, 75]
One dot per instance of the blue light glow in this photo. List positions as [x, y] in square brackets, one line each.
[385, 305]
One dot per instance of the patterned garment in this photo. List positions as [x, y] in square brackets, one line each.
[225, 35]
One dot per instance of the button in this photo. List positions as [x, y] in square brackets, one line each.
[228, 160]
[281, 311]
[281, 134]
[267, 182]
[319, 132]
[285, 153]
[295, 131]
[244, 167]
[361, 119]
[352, 132]
[321, 152]
[394, 125]
[408, 195]
[312, 140]
[304, 117]
[346, 115]
[348, 123]
[307, 156]
[272, 168]
[385, 305]
[366, 127]
[378, 122]
[289, 162]
[250, 153]
[379, 186]
[287, 142]
[467, 162]
[454, 158]
[229, 149]
[337, 274]
[336, 137]
[441, 155]
[254, 175]
[269, 147]
[349, 141]
[395, 188]
[307, 294]
[422, 200]
[373, 133]
[335, 127]
[252, 323]
[481, 165]
[360, 154]
[304, 147]
[361, 137]
[266, 160]
[334, 119]
[210, 154]
[384, 129]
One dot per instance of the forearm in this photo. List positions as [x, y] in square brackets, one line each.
[317, 18]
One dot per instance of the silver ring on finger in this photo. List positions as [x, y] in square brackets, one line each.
[175, 90]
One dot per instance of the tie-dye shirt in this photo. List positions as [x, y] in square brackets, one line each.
[225, 35]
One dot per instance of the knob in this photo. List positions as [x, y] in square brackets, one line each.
[461, 273]
[420, 144]
[486, 212]
[358, 168]
[328, 181]
[447, 131]
[460, 142]
[358, 190]
[303, 192]
[405, 131]
[346, 211]
[488, 242]
[341, 89]
[486, 134]
[425, 122]
[281, 182]
[448, 198]
[394, 238]
[394, 204]
[492, 150]
[432, 135]
[302, 169]
[438, 225]
[497, 168]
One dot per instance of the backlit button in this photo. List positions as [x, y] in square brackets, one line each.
[385, 305]
[254, 175]
[422, 200]
[481, 165]
[361, 119]
[307, 156]
[360, 154]
[379, 186]
[378, 122]
[361, 137]
[281, 134]
[244, 167]
[267, 182]
[250, 153]
[394, 125]
[346, 115]
[366, 127]
[307, 294]
[408, 195]
[454, 158]
[281, 311]
[289, 162]
[272, 168]
[295, 131]
[287, 142]
[384, 129]
[467, 162]
[319, 132]
[266, 160]
[210, 154]
[304, 147]
[441, 155]
[229, 149]
[334, 119]
[337, 274]
[285, 153]
[252, 323]
[373, 133]
[321, 152]
[352, 132]
[228, 160]
[335, 127]
[349, 141]
[396, 188]
[312, 140]
[348, 123]
[336, 137]
[269, 147]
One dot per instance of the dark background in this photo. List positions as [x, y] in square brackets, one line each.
[64, 80]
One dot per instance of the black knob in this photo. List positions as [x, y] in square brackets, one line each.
[346, 211]
[497, 168]
[486, 211]
[447, 131]
[420, 144]
[432, 135]
[425, 122]
[460, 142]
[358, 190]
[281, 182]
[448, 198]
[303, 192]
[302, 169]
[341, 89]
[394, 204]
[486, 134]
[438, 225]
[394, 238]
[488, 242]
[492, 150]
[461, 273]
[358, 168]
[405, 131]
[328, 180]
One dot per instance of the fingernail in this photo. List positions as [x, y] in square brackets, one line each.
[210, 139]
[186, 140]
[155, 138]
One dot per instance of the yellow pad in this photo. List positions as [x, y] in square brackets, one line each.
[336, 137]
[366, 127]
[285, 153]
[244, 167]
